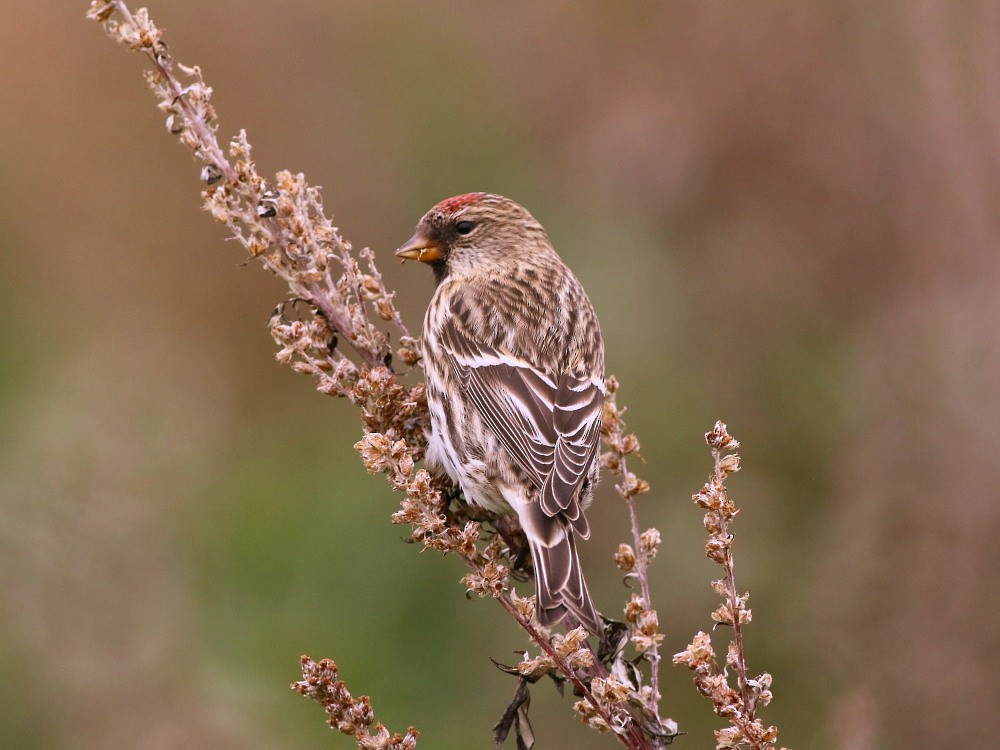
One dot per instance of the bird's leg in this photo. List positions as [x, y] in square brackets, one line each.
[510, 531]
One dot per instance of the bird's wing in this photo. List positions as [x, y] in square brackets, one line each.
[549, 423]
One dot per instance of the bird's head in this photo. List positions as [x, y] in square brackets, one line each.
[475, 233]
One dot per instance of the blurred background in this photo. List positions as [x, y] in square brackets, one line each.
[785, 214]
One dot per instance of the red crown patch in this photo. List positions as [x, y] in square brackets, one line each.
[458, 202]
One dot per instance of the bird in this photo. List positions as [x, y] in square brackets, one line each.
[514, 367]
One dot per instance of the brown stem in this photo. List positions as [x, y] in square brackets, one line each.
[634, 738]
[734, 608]
[336, 317]
[205, 135]
[642, 572]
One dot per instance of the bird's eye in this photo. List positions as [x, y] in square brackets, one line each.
[464, 227]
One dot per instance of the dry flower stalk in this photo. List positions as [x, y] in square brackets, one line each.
[634, 560]
[281, 223]
[353, 716]
[738, 705]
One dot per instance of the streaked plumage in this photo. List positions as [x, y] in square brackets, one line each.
[515, 382]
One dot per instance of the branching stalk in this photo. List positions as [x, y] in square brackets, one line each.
[281, 223]
[738, 706]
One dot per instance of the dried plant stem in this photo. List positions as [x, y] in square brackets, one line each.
[738, 706]
[354, 716]
[192, 117]
[642, 573]
[733, 601]
[635, 559]
[632, 736]
[164, 64]
[539, 637]
[282, 224]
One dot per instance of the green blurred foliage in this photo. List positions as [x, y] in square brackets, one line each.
[785, 216]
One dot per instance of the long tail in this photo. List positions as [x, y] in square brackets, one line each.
[559, 583]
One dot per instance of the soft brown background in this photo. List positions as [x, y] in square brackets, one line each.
[785, 214]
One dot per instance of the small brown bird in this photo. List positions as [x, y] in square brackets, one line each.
[514, 361]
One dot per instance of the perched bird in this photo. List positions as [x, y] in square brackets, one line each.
[514, 362]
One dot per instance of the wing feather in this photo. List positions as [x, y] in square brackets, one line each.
[550, 424]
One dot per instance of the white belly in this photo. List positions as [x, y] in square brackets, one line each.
[476, 474]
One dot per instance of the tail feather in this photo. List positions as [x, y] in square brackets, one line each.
[560, 586]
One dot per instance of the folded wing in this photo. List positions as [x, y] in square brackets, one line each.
[549, 423]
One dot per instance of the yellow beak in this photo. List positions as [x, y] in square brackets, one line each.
[419, 247]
